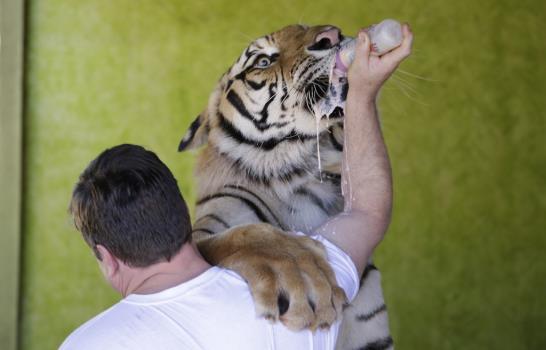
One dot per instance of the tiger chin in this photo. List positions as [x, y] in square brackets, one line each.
[261, 164]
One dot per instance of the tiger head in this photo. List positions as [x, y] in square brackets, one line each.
[266, 100]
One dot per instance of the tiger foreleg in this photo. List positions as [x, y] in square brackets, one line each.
[289, 276]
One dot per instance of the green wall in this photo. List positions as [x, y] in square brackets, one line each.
[463, 262]
[11, 145]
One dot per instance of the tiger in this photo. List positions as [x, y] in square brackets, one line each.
[267, 157]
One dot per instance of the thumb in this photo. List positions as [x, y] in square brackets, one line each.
[362, 49]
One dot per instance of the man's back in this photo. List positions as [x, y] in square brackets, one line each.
[212, 311]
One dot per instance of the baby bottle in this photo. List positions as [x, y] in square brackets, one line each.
[384, 37]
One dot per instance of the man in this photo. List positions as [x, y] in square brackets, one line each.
[130, 211]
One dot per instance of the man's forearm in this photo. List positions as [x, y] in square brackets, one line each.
[366, 172]
[366, 181]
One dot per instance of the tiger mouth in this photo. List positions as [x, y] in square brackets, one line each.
[326, 95]
[315, 91]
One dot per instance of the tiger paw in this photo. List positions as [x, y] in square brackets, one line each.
[288, 276]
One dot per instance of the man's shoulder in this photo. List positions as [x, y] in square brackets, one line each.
[96, 331]
[130, 323]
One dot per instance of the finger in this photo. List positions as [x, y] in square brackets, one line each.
[396, 56]
[407, 42]
[362, 49]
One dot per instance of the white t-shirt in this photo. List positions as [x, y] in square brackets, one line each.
[213, 311]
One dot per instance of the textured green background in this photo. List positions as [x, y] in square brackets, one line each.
[464, 261]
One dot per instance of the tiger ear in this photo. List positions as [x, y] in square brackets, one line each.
[196, 135]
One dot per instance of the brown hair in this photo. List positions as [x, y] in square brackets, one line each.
[128, 201]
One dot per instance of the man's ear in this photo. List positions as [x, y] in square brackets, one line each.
[197, 134]
[108, 262]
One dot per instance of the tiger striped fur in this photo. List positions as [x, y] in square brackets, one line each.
[260, 161]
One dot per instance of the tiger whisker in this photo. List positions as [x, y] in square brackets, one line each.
[416, 76]
[408, 95]
[406, 84]
[397, 77]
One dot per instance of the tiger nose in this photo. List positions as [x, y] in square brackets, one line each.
[332, 34]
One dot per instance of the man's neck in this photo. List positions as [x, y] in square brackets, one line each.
[184, 266]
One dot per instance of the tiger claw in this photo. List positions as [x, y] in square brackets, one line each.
[288, 276]
[299, 316]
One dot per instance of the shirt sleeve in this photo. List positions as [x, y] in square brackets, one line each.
[343, 266]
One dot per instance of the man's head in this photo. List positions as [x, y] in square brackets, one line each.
[127, 204]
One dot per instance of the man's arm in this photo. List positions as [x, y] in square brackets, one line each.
[366, 173]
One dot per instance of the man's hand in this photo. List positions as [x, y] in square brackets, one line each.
[368, 72]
